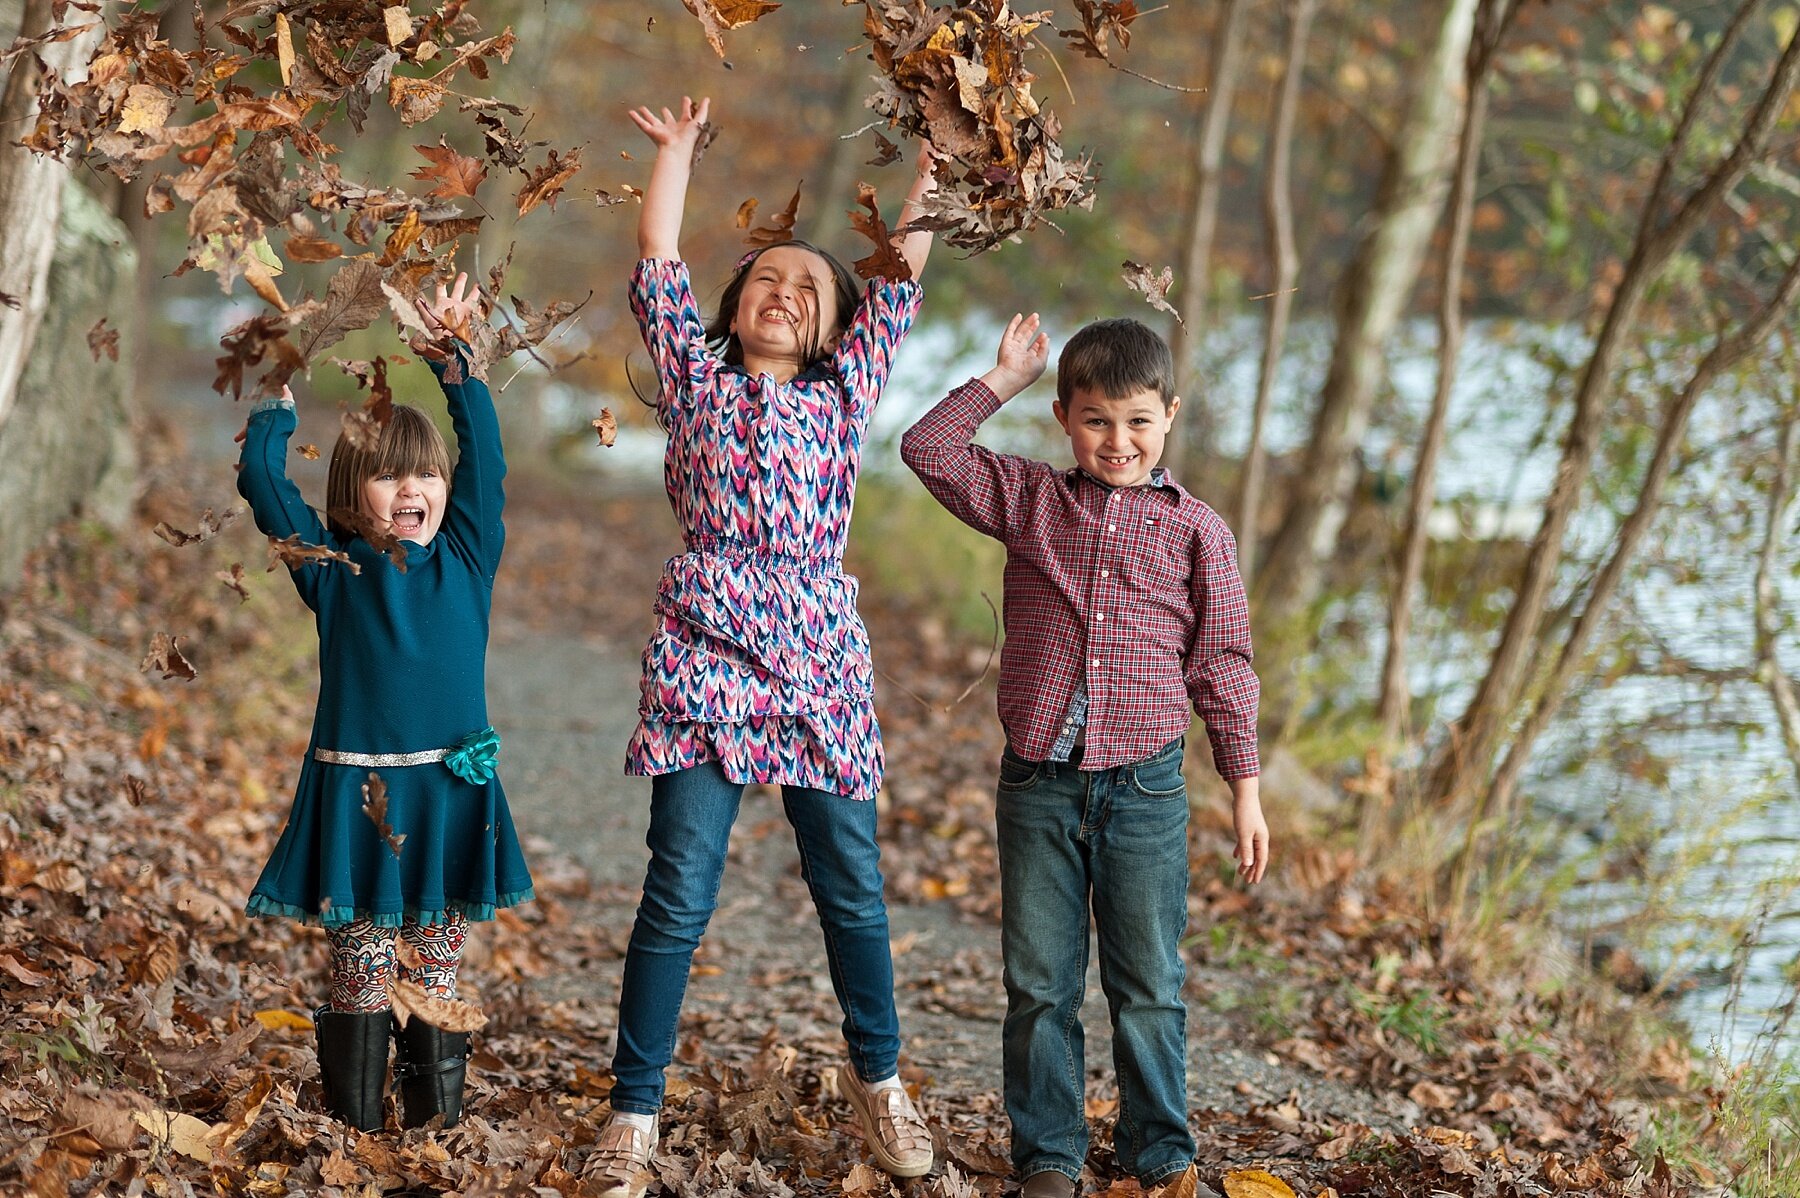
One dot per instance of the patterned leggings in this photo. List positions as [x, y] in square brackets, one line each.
[364, 958]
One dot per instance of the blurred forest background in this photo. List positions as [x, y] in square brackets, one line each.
[1484, 311]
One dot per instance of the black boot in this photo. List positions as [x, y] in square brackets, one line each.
[429, 1067]
[353, 1056]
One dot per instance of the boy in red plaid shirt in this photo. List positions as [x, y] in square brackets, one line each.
[1123, 605]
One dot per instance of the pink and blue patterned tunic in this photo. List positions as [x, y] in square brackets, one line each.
[759, 660]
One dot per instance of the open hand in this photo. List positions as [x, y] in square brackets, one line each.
[1024, 352]
[670, 131]
[451, 312]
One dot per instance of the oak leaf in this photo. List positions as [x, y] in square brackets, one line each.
[234, 580]
[885, 261]
[374, 805]
[545, 183]
[210, 526]
[292, 552]
[1153, 287]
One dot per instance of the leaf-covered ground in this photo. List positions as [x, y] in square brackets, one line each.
[153, 1039]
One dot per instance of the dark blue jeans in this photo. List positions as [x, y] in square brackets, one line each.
[691, 813]
[1115, 838]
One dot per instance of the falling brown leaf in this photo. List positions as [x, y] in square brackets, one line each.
[716, 16]
[379, 539]
[885, 151]
[546, 183]
[234, 580]
[103, 340]
[1153, 287]
[886, 261]
[374, 806]
[606, 427]
[455, 174]
[399, 24]
[1102, 23]
[165, 658]
[292, 552]
[415, 99]
[306, 247]
[308, 451]
[411, 1001]
[606, 199]
[1255, 1183]
[746, 213]
[284, 49]
[210, 526]
[780, 227]
[353, 300]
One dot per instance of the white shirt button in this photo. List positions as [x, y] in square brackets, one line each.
[1095, 663]
[1112, 528]
[1099, 616]
[1103, 573]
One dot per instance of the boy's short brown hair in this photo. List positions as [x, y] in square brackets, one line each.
[409, 444]
[1117, 357]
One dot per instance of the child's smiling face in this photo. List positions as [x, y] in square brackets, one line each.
[1117, 440]
[410, 506]
[787, 309]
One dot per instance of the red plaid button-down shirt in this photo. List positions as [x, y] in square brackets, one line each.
[1134, 591]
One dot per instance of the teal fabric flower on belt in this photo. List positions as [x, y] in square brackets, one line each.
[472, 758]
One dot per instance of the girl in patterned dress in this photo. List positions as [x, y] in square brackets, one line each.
[402, 641]
[759, 670]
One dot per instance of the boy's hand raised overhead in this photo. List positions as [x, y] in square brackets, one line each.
[450, 313]
[1024, 352]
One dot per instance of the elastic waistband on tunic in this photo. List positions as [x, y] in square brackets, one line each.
[819, 564]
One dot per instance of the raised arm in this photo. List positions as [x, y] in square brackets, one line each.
[275, 502]
[659, 224]
[476, 492]
[916, 247]
[978, 486]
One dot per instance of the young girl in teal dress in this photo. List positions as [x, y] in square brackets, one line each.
[402, 653]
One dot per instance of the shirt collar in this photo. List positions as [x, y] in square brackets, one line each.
[1159, 480]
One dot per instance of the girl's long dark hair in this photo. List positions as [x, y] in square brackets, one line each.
[722, 341]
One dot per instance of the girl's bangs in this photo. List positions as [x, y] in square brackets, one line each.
[410, 444]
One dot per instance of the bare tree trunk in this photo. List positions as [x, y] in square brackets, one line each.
[1278, 218]
[1492, 20]
[1370, 299]
[1726, 352]
[1768, 607]
[1203, 213]
[1474, 737]
[30, 192]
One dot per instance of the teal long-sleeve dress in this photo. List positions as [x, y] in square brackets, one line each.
[402, 658]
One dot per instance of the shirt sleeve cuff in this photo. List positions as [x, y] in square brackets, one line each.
[273, 403]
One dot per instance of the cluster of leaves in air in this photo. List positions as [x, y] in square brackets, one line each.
[236, 133]
[956, 75]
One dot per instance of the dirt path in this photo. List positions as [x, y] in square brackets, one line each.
[566, 705]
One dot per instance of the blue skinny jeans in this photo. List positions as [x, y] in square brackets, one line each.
[691, 813]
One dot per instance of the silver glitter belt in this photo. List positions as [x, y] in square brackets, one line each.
[379, 760]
